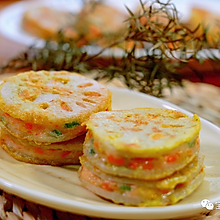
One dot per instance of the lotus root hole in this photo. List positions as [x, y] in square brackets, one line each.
[44, 105]
[88, 100]
[34, 80]
[85, 85]
[81, 104]
[92, 93]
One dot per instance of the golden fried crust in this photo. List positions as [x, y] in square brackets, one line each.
[187, 173]
[62, 153]
[129, 191]
[142, 132]
[42, 160]
[53, 97]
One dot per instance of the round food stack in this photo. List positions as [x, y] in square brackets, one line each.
[143, 157]
[46, 22]
[42, 115]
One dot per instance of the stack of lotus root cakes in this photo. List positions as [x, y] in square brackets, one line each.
[142, 157]
[42, 115]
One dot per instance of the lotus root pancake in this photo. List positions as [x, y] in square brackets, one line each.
[45, 22]
[50, 106]
[135, 192]
[143, 143]
[56, 154]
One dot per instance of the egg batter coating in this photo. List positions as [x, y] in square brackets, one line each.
[142, 143]
[50, 106]
[56, 154]
[134, 192]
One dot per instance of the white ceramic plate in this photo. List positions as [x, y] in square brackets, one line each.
[60, 188]
[11, 16]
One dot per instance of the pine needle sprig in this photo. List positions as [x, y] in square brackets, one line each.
[154, 48]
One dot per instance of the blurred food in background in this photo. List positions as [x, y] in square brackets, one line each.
[97, 23]
[172, 55]
[100, 24]
[100, 21]
[207, 19]
[45, 22]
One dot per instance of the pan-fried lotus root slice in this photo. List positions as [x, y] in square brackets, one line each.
[142, 143]
[129, 191]
[56, 154]
[50, 106]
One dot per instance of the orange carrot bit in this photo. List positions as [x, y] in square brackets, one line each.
[29, 126]
[179, 185]
[39, 150]
[111, 159]
[106, 186]
[172, 158]
[148, 166]
[164, 191]
[144, 162]
[134, 165]
[65, 153]
[118, 161]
